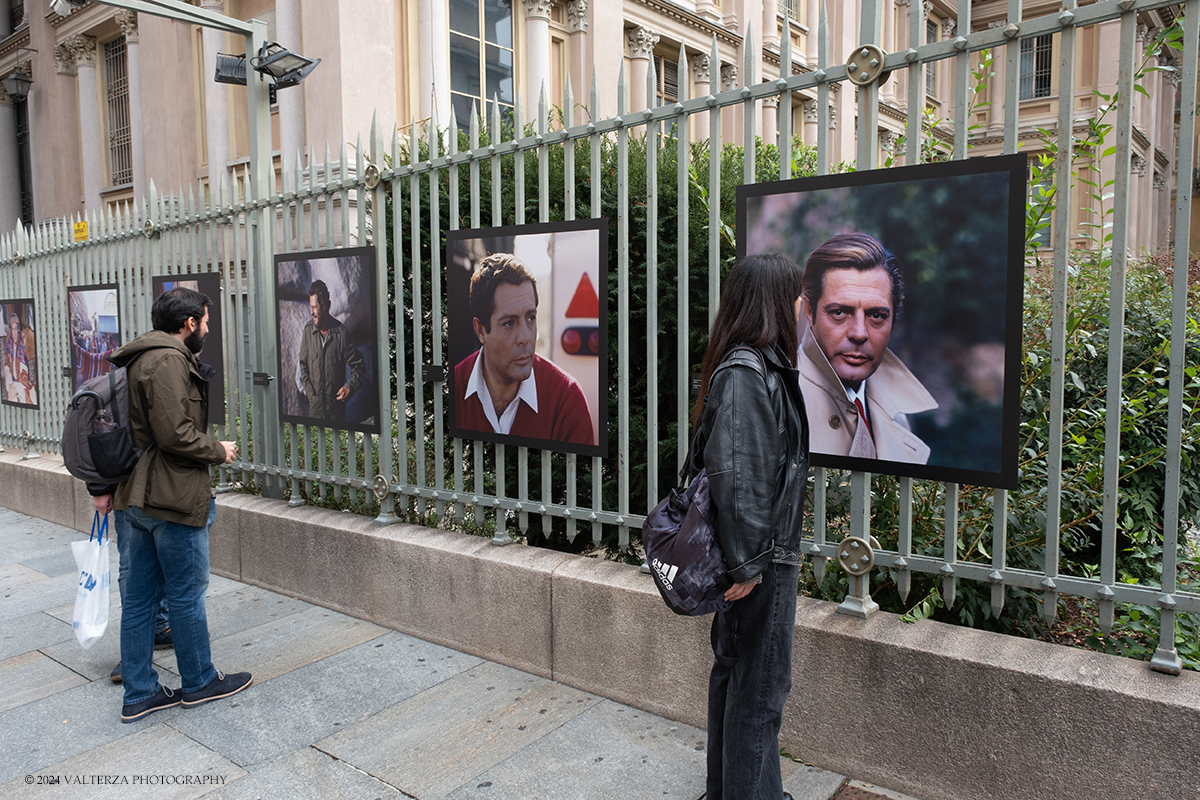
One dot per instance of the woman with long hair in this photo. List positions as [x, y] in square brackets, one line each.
[755, 449]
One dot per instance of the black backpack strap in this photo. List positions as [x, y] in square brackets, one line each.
[700, 435]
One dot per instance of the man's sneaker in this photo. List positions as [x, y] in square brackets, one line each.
[163, 640]
[163, 698]
[220, 686]
[115, 675]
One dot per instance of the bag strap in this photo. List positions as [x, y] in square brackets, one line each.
[700, 435]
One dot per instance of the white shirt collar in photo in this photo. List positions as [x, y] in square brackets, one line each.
[477, 385]
[857, 394]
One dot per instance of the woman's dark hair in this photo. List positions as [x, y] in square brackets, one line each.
[758, 308]
[174, 307]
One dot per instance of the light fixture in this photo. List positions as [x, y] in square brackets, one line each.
[284, 67]
[17, 84]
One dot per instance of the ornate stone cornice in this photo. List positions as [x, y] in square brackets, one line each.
[1137, 164]
[729, 77]
[1160, 181]
[5, 98]
[832, 116]
[700, 68]
[641, 42]
[709, 29]
[810, 110]
[888, 139]
[128, 20]
[15, 42]
[537, 9]
[949, 26]
[577, 16]
[64, 61]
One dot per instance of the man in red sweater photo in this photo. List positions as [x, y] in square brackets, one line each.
[504, 386]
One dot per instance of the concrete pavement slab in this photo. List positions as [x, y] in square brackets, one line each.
[60, 562]
[30, 632]
[25, 591]
[23, 537]
[439, 739]
[63, 725]
[806, 782]
[243, 607]
[305, 773]
[156, 762]
[609, 752]
[282, 645]
[32, 676]
[310, 703]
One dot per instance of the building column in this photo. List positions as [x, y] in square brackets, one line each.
[577, 23]
[10, 190]
[137, 141]
[701, 79]
[537, 56]
[770, 24]
[812, 19]
[79, 54]
[770, 121]
[434, 63]
[641, 48]
[730, 119]
[995, 87]
[887, 92]
[290, 101]
[810, 122]
[216, 107]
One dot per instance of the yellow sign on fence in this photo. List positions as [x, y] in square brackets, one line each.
[81, 231]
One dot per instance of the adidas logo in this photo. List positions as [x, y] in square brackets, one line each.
[665, 572]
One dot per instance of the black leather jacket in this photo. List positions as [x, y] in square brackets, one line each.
[756, 455]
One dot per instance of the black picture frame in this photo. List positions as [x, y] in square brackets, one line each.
[957, 231]
[19, 360]
[569, 261]
[349, 275]
[94, 330]
[213, 354]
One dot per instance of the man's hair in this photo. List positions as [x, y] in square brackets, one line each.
[758, 308]
[492, 271]
[174, 307]
[858, 251]
[321, 291]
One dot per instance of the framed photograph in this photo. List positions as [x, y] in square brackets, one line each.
[208, 284]
[910, 346]
[19, 376]
[95, 319]
[328, 364]
[528, 312]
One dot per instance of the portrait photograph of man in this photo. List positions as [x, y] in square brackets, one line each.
[18, 378]
[208, 284]
[327, 334]
[910, 343]
[95, 319]
[526, 329]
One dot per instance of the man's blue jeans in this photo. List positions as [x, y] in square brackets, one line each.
[162, 623]
[170, 557]
[750, 681]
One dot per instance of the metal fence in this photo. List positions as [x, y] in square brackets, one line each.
[390, 196]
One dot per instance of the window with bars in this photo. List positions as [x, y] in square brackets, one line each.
[1036, 66]
[791, 8]
[25, 162]
[931, 35]
[481, 58]
[116, 81]
[666, 81]
[16, 15]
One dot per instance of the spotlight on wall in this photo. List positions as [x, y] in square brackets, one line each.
[17, 84]
[284, 67]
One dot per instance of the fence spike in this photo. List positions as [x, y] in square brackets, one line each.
[622, 92]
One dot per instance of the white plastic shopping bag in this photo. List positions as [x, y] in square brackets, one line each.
[91, 599]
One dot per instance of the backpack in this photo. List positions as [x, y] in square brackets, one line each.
[97, 440]
[680, 537]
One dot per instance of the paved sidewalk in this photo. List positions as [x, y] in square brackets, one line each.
[339, 708]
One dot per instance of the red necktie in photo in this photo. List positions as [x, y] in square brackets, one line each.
[862, 414]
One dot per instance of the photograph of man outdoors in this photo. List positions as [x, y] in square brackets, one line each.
[18, 380]
[327, 338]
[909, 348]
[528, 369]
